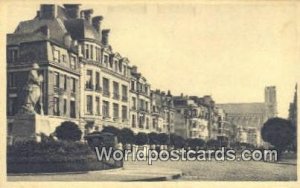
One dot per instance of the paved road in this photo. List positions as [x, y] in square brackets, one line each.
[191, 170]
[231, 170]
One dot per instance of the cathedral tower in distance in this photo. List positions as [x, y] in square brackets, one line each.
[271, 101]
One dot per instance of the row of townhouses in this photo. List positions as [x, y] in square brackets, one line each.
[86, 81]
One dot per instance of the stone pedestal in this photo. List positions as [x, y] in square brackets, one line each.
[28, 126]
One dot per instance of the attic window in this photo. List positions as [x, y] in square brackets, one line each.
[56, 55]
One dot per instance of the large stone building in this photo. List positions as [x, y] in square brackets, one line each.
[249, 117]
[140, 100]
[46, 41]
[85, 80]
[196, 114]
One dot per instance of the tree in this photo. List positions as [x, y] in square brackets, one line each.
[195, 142]
[279, 132]
[68, 131]
[163, 138]
[212, 143]
[141, 139]
[113, 130]
[127, 136]
[153, 138]
[177, 141]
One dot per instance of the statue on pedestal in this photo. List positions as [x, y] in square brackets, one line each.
[33, 92]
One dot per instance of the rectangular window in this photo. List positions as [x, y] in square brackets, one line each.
[87, 51]
[125, 70]
[106, 60]
[97, 81]
[56, 79]
[132, 85]
[124, 93]
[116, 90]
[65, 106]
[124, 112]
[147, 123]
[116, 65]
[97, 106]
[64, 58]
[56, 106]
[73, 62]
[72, 109]
[92, 51]
[133, 121]
[133, 103]
[146, 106]
[89, 104]
[141, 104]
[65, 82]
[12, 106]
[89, 79]
[141, 121]
[120, 66]
[56, 55]
[105, 109]
[106, 87]
[154, 123]
[115, 110]
[13, 55]
[73, 84]
[11, 79]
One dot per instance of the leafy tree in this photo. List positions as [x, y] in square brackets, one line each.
[212, 143]
[177, 141]
[68, 131]
[153, 138]
[163, 138]
[194, 142]
[141, 139]
[113, 130]
[127, 136]
[279, 132]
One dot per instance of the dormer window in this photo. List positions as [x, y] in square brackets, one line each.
[106, 60]
[116, 65]
[56, 55]
[120, 66]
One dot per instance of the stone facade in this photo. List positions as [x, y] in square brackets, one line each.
[250, 117]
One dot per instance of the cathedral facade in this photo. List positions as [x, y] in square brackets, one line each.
[250, 117]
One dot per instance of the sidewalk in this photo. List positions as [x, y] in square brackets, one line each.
[128, 173]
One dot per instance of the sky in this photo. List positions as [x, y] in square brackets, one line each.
[230, 51]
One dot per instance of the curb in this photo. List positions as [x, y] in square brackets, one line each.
[63, 173]
[162, 178]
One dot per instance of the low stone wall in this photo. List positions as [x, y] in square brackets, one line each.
[52, 167]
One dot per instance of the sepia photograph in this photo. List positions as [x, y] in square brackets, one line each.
[149, 91]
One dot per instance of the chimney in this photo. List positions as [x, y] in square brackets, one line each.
[134, 69]
[105, 35]
[87, 15]
[48, 11]
[72, 10]
[96, 21]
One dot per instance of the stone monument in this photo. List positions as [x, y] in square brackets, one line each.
[30, 121]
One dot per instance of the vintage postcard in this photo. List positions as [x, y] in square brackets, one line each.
[149, 93]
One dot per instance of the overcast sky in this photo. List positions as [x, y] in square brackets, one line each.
[230, 51]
